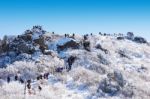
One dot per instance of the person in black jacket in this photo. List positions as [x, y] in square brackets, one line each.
[29, 84]
[21, 80]
[46, 75]
[16, 78]
[40, 88]
[8, 79]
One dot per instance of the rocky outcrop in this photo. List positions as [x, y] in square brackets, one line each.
[26, 37]
[70, 44]
[130, 36]
[108, 87]
[103, 60]
[24, 48]
[114, 84]
[120, 38]
[86, 45]
[4, 46]
[70, 61]
[41, 43]
[139, 40]
[98, 46]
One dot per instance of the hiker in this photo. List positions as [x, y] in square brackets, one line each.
[65, 35]
[21, 80]
[16, 78]
[40, 88]
[29, 86]
[59, 69]
[39, 77]
[8, 79]
[85, 37]
[73, 34]
[46, 75]
[100, 33]
[105, 34]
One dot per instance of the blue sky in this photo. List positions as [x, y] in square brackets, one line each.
[78, 16]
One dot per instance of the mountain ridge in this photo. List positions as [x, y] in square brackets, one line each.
[85, 66]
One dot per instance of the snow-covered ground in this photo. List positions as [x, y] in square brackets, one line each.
[119, 69]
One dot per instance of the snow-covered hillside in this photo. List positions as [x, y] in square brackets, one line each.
[43, 65]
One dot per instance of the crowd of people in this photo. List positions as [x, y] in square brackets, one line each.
[28, 83]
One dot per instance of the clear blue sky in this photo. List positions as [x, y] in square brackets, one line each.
[78, 16]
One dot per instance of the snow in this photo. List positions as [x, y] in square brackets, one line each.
[36, 36]
[87, 72]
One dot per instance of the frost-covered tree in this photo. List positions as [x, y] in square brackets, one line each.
[4, 45]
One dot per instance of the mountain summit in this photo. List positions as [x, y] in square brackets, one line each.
[43, 65]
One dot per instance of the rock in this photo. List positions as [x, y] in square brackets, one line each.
[37, 28]
[23, 56]
[139, 40]
[25, 48]
[108, 87]
[26, 37]
[70, 61]
[59, 69]
[130, 36]
[120, 38]
[103, 60]
[113, 84]
[5, 47]
[128, 91]
[98, 46]
[71, 85]
[28, 32]
[70, 44]
[47, 52]
[142, 69]
[83, 87]
[4, 60]
[122, 54]
[43, 48]
[119, 78]
[86, 45]
[98, 69]
[41, 42]
[12, 54]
